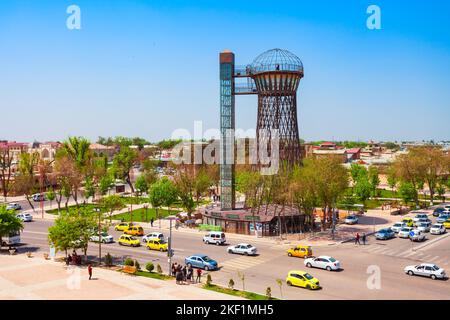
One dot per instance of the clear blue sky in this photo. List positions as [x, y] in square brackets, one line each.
[146, 68]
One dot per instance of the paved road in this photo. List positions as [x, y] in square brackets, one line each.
[389, 256]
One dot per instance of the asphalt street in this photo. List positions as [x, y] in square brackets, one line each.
[371, 271]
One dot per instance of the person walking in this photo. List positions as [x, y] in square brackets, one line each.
[184, 271]
[151, 222]
[364, 239]
[190, 274]
[90, 271]
[174, 269]
[357, 239]
[199, 276]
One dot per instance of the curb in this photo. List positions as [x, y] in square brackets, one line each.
[353, 238]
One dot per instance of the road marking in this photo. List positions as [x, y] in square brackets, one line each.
[243, 263]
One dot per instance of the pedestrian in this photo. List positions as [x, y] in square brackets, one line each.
[364, 239]
[357, 239]
[151, 222]
[184, 271]
[190, 274]
[199, 276]
[90, 271]
[173, 269]
[179, 277]
[69, 259]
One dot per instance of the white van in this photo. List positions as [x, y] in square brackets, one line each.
[151, 235]
[214, 237]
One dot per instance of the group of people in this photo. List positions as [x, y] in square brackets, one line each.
[184, 274]
[357, 238]
[73, 259]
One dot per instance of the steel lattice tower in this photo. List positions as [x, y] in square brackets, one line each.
[277, 74]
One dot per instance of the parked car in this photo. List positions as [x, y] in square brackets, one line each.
[426, 270]
[420, 216]
[25, 216]
[299, 278]
[417, 236]
[323, 262]
[127, 240]
[443, 217]
[424, 226]
[409, 222]
[300, 251]
[243, 248]
[201, 261]
[398, 226]
[447, 223]
[447, 208]
[384, 234]
[123, 226]
[157, 235]
[134, 230]
[37, 197]
[438, 211]
[437, 228]
[421, 220]
[14, 206]
[157, 244]
[351, 219]
[404, 232]
[214, 237]
[105, 238]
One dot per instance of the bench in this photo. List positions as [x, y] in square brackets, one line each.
[129, 269]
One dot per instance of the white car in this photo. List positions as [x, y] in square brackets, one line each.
[157, 235]
[420, 216]
[14, 206]
[437, 228]
[416, 235]
[404, 232]
[25, 216]
[351, 219]
[424, 226]
[323, 262]
[243, 248]
[106, 238]
[426, 270]
[398, 226]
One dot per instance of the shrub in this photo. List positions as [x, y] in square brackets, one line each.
[269, 293]
[149, 266]
[128, 262]
[208, 280]
[231, 284]
[159, 269]
[137, 265]
[108, 260]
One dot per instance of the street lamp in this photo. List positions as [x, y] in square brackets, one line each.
[170, 251]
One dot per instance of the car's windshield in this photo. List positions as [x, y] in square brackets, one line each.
[133, 238]
[436, 226]
[435, 267]
[308, 276]
[206, 258]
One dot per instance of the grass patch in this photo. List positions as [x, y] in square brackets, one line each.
[74, 208]
[142, 215]
[153, 275]
[237, 293]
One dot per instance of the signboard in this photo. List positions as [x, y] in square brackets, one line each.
[233, 216]
[251, 218]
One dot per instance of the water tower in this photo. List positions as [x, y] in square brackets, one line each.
[274, 76]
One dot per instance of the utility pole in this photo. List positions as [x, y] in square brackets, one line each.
[99, 236]
[170, 252]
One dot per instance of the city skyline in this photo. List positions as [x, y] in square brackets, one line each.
[145, 68]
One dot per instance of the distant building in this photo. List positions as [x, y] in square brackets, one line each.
[46, 150]
[102, 150]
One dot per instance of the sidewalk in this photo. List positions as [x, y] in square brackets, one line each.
[36, 278]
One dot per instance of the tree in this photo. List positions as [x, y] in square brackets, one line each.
[141, 185]
[112, 203]
[6, 160]
[392, 178]
[51, 195]
[123, 162]
[169, 191]
[77, 149]
[202, 183]
[407, 192]
[9, 223]
[25, 182]
[363, 188]
[105, 184]
[156, 196]
[374, 179]
[89, 188]
[356, 171]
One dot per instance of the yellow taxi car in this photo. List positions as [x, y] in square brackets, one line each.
[157, 244]
[123, 226]
[134, 231]
[299, 278]
[300, 252]
[127, 240]
[447, 224]
[409, 222]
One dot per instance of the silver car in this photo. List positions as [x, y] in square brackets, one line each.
[437, 228]
[442, 217]
[416, 235]
[351, 219]
[398, 226]
[404, 232]
[243, 248]
[424, 226]
[323, 262]
[14, 206]
[25, 216]
[426, 270]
